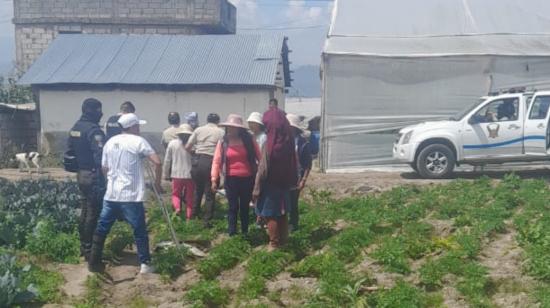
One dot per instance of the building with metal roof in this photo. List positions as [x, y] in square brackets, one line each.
[390, 64]
[158, 73]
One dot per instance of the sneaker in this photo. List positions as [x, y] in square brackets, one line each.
[146, 269]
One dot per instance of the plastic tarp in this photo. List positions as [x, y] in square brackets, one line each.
[395, 63]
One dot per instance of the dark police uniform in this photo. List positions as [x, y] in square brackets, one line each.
[112, 128]
[86, 139]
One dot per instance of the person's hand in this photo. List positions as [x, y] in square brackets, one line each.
[214, 187]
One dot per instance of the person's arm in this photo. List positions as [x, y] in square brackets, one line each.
[191, 142]
[216, 166]
[145, 150]
[155, 159]
[167, 170]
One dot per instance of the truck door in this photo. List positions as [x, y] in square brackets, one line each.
[536, 127]
[495, 130]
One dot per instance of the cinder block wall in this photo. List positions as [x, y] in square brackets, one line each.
[37, 22]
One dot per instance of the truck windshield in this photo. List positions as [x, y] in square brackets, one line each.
[463, 113]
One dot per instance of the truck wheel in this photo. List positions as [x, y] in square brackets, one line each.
[435, 161]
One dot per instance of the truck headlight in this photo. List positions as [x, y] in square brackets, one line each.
[407, 137]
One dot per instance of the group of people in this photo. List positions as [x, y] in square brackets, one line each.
[263, 164]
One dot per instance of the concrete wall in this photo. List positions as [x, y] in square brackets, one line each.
[59, 109]
[37, 22]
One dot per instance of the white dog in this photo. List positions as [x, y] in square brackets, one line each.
[24, 159]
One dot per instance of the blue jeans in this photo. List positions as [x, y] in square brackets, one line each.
[134, 214]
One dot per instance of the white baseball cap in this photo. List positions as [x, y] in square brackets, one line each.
[130, 119]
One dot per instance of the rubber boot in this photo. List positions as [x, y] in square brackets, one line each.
[95, 263]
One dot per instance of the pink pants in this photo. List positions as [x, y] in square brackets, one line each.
[178, 188]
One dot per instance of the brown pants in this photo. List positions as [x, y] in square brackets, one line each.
[277, 228]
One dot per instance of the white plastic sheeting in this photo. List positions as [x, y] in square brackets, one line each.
[389, 64]
[406, 18]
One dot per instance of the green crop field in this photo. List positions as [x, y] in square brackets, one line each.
[480, 243]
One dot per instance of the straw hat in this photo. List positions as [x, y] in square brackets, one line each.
[255, 117]
[184, 129]
[234, 120]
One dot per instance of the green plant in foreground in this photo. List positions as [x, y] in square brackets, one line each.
[92, 298]
[12, 288]
[56, 246]
[391, 254]
[120, 237]
[261, 266]
[224, 256]
[47, 283]
[402, 295]
[207, 294]
[170, 262]
[542, 294]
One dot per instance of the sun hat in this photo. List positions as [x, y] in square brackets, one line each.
[234, 120]
[255, 117]
[130, 119]
[294, 121]
[184, 129]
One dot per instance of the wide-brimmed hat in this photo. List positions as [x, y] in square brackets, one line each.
[234, 120]
[184, 129]
[295, 121]
[255, 117]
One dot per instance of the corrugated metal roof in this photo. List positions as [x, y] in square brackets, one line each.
[159, 59]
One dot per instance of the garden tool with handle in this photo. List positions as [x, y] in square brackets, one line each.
[175, 242]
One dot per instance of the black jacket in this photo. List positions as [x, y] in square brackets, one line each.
[86, 139]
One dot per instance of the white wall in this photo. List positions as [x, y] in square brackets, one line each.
[60, 109]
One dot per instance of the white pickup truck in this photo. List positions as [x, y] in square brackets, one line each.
[500, 129]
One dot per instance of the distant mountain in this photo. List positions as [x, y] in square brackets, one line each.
[306, 82]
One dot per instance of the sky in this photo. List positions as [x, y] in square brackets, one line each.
[304, 22]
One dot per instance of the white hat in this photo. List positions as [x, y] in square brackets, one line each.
[184, 129]
[130, 119]
[255, 117]
[294, 121]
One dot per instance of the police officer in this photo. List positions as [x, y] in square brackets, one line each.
[86, 141]
[112, 128]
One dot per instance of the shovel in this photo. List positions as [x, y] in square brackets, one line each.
[175, 242]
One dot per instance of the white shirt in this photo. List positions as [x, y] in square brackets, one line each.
[177, 162]
[122, 156]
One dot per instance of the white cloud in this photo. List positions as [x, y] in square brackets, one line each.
[247, 11]
[298, 10]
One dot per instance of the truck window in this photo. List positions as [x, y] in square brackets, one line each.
[499, 111]
[539, 111]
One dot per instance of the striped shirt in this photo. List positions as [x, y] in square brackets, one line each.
[122, 156]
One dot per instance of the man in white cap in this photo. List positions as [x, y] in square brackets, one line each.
[122, 165]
